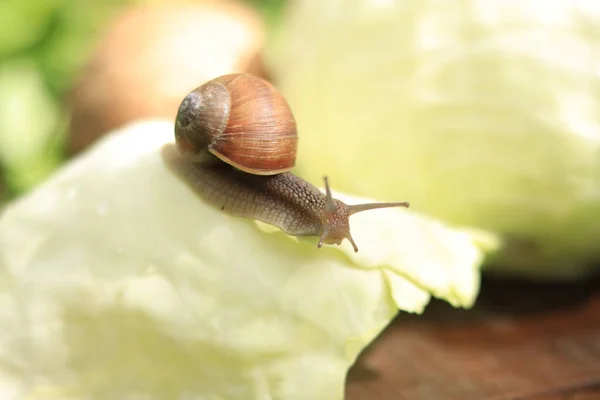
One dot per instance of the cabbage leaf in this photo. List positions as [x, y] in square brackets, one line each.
[117, 281]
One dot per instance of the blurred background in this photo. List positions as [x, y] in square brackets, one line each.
[485, 112]
[482, 113]
[58, 56]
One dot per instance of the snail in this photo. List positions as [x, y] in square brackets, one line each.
[237, 141]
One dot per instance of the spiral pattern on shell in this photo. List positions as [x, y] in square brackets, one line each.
[241, 119]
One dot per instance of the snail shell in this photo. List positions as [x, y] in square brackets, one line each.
[241, 119]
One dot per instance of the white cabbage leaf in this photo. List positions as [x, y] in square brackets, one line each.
[485, 112]
[117, 281]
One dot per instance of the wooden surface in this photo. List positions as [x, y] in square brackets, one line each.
[522, 341]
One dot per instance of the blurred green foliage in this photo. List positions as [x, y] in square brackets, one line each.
[43, 46]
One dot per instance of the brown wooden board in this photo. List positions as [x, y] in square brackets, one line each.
[527, 341]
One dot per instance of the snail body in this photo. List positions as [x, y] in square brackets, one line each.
[237, 139]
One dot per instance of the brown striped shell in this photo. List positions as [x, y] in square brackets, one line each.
[241, 119]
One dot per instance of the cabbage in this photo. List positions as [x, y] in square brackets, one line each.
[118, 282]
[482, 113]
